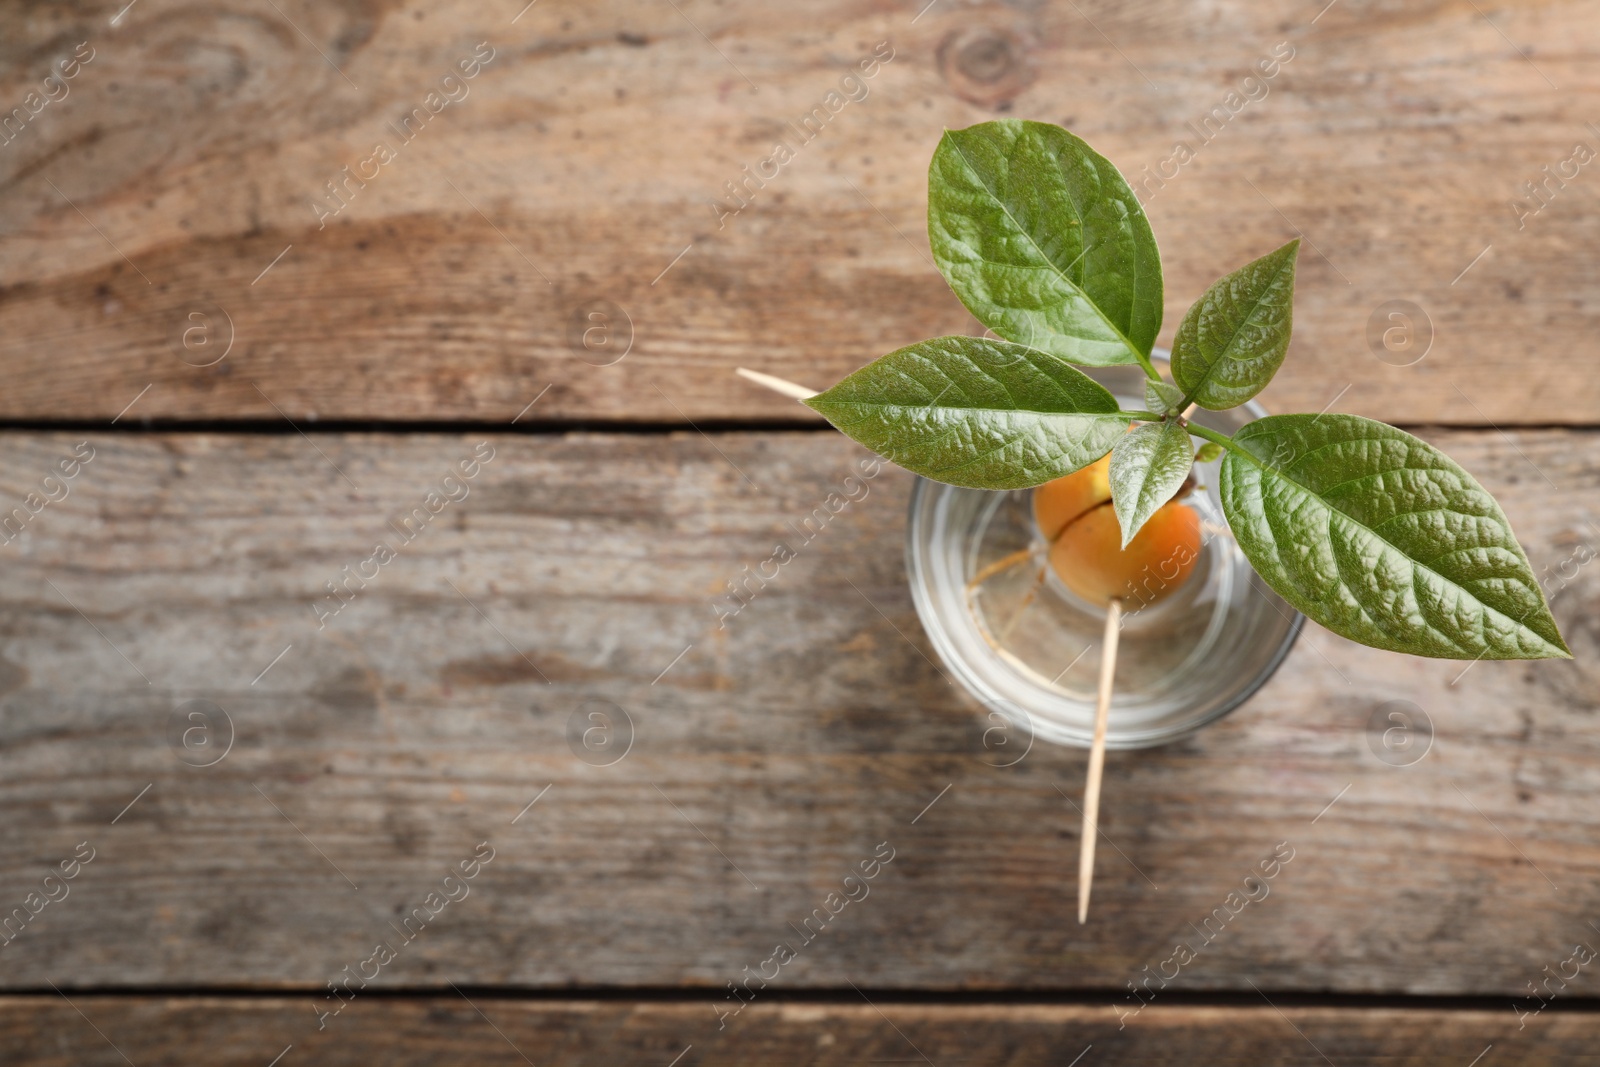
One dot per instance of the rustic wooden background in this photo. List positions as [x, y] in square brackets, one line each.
[262, 395]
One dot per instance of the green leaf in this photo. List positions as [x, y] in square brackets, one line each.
[1208, 452]
[1148, 467]
[978, 413]
[1044, 242]
[1162, 397]
[1232, 341]
[1382, 538]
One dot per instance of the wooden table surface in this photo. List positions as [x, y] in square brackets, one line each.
[258, 363]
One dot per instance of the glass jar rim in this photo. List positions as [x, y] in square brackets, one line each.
[921, 542]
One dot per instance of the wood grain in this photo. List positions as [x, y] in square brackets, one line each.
[487, 1029]
[585, 161]
[768, 760]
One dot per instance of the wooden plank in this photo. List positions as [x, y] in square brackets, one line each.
[44, 1031]
[768, 760]
[180, 174]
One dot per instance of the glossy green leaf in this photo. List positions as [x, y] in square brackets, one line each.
[1044, 242]
[1208, 452]
[1162, 397]
[1148, 467]
[974, 412]
[1384, 539]
[1234, 338]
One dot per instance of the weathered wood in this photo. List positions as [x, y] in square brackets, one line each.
[587, 157]
[483, 1029]
[769, 759]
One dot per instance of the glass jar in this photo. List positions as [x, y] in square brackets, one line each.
[1027, 647]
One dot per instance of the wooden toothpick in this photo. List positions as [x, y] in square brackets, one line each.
[1108, 669]
[1097, 758]
[777, 385]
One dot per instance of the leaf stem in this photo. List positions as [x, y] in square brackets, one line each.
[1217, 438]
[1144, 361]
[1142, 416]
